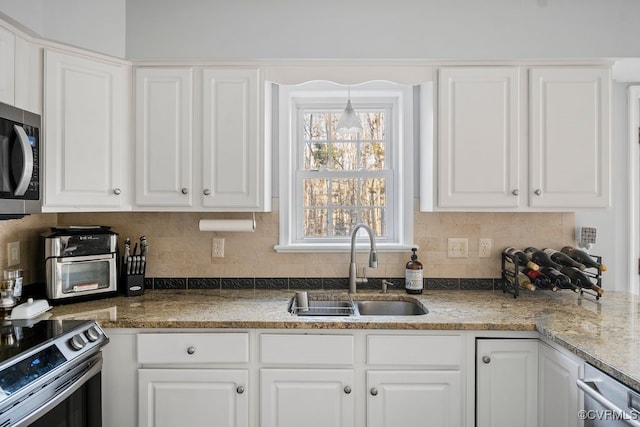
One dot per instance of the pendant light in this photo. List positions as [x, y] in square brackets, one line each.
[349, 121]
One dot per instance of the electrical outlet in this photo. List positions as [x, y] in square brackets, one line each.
[218, 247]
[13, 249]
[458, 247]
[484, 247]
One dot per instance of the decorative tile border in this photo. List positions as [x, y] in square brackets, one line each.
[314, 283]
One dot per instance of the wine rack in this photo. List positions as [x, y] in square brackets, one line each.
[511, 282]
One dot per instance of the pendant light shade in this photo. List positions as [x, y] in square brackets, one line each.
[349, 121]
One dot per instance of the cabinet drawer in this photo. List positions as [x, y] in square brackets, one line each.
[441, 351]
[307, 349]
[193, 348]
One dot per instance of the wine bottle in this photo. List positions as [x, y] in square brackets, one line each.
[523, 281]
[523, 259]
[583, 258]
[559, 279]
[540, 258]
[581, 280]
[563, 259]
[540, 280]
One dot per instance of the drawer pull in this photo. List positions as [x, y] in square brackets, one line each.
[206, 192]
[117, 191]
[538, 192]
[191, 350]
[347, 390]
[240, 389]
[515, 192]
[374, 392]
[185, 191]
[486, 359]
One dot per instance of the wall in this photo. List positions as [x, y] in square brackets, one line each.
[178, 249]
[96, 25]
[450, 29]
[27, 231]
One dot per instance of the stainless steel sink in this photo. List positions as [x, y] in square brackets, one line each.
[390, 308]
[343, 305]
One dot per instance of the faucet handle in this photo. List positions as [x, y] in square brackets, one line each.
[386, 283]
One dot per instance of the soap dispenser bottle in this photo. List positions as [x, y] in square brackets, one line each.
[413, 282]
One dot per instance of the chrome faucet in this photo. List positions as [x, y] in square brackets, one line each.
[373, 257]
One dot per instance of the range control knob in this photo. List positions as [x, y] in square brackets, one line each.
[92, 334]
[77, 343]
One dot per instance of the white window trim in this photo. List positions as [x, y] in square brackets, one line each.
[289, 97]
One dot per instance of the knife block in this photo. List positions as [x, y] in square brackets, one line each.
[131, 285]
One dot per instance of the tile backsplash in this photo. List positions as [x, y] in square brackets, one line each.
[179, 250]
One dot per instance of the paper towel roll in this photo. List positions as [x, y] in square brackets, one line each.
[242, 225]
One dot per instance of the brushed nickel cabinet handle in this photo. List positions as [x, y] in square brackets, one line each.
[374, 392]
[117, 191]
[191, 350]
[515, 192]
[538, 192]
[486, 359]
[185, 191]
[206, 192]
[347, 390]
[240, 389]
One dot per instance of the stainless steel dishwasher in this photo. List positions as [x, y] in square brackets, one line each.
[607, 402]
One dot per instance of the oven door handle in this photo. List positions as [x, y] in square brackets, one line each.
[95, 368]
[586, 386]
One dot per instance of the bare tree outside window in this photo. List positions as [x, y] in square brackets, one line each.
[344, 180]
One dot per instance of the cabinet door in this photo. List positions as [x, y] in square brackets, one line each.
[570, 137]
[414, 398]
[7, 66]
[479, 137]
[86, 132]
[193, 397]
[558, 398]
[164, 137]
[232, 150]
[28, 76]
[306, 397]
[507, 382]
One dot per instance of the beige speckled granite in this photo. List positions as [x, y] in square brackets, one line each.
[605, 332]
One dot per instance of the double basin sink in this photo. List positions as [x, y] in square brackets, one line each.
[344, 305]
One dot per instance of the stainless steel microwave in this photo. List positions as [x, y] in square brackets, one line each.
[20, 180]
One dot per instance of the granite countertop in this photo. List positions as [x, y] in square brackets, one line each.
[605, 333]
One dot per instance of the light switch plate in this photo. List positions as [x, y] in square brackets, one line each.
[458, 247]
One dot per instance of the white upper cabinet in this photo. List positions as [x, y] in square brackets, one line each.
[164, 137]
[20, 72]
[211, 115]
[86, 128]
[479, 145]
[569, 130]
[231, 152]
[503, 147]
[7, 66]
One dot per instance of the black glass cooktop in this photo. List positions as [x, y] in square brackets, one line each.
[20, 336]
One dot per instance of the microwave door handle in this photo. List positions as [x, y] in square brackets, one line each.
[27, 155]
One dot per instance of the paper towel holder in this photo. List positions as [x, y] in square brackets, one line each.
[228, 225]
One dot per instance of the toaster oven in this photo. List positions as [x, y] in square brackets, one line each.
[81, 263]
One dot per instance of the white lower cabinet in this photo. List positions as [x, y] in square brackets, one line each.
[326, 378]
[193, 397]
[507, 383]
[559, 400]
[411, 398]
[307, 397]
[193, 379]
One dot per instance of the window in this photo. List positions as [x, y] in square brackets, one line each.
[330, 181]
